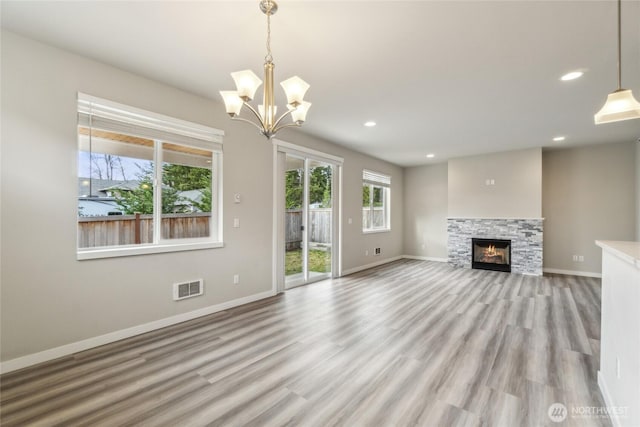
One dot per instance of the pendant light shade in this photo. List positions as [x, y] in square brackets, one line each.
[232, 102]
[620, 105]
[294, 88]
[299, 113]
[247, 84]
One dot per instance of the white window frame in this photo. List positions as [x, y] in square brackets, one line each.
[159, 128]
[378, 180]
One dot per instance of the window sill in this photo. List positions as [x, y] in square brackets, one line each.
[144, 250]
[374, 231]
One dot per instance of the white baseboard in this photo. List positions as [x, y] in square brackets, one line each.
[425, 258]
[572, 273]
[75, 347]
[607, 399]
[373, 264]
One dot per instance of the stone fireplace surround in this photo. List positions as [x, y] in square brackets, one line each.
[525, 235]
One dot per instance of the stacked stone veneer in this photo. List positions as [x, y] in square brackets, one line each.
[525, 236]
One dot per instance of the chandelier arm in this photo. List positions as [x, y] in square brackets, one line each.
[288, 125]
[275, 125]
[242, 119]
[255, 113]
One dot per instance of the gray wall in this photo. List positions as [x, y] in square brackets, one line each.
[48, 298]
[516, 193]
[588, 194]
[425, 211]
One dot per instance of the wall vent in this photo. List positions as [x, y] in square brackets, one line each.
[188, 289]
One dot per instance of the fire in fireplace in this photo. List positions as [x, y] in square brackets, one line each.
[491, 254]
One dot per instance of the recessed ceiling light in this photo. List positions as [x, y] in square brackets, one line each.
[572, 75]
[430, 156]
[559, 138]
[370, 124]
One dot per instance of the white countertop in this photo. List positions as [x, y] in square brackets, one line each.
[628, 251]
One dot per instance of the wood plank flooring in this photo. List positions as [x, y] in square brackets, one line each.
[411, 343]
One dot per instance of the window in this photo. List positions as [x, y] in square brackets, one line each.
[375, 201]
[146, 183]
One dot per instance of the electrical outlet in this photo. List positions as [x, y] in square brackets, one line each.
[236, 279]
[366, 252]
[575, 258]
[236, 222]
[580, 258]
[377, 251]
[350, 220]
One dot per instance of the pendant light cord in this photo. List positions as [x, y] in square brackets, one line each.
[619, 45]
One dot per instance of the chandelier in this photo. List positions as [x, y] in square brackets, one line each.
[620, 105]
[247, 83]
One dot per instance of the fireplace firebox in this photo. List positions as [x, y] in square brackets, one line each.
[491, 254]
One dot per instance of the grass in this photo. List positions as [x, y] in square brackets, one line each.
[319, 261]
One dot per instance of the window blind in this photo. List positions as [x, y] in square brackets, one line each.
[97, 113]
[376, 178]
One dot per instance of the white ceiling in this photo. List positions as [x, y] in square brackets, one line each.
[452, 78]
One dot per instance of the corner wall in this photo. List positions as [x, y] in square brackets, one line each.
[588, 194]
[425, 211]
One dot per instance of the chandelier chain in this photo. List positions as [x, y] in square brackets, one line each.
[268, 57]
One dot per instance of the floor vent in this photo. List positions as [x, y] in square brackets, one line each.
[187, 289]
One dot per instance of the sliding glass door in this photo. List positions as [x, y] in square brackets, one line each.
[308, 219]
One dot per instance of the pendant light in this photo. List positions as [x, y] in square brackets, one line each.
[620, 105]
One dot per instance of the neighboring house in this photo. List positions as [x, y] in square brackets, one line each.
[98, 207]
[97, 197]
[94, 187]
[190, 200]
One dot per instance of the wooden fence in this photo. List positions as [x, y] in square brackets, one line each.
[319, 226]
[118, 230]
[138, 229]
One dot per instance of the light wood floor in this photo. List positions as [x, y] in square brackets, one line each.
[409, 343]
